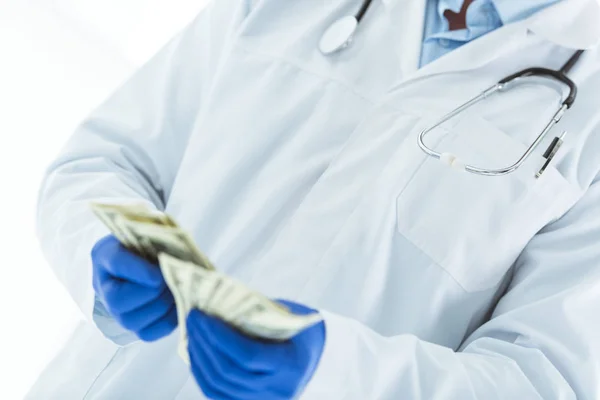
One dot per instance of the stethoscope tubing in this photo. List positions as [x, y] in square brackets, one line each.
[503, 86]
[340, 34]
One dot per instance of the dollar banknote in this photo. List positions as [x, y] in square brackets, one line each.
[250, 312]
[112, 216]
[149, 232]
[194, 280]
[178, 281]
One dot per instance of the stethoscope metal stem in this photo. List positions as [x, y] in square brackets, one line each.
[363, 10]
[479, 170]
[503, 86]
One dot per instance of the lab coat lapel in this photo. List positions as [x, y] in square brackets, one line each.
[406, 20]
[573, 24]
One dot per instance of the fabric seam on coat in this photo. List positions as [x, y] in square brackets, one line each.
[108, 364]
[294, 64]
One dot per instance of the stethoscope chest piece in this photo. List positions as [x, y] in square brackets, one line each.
[338, 35]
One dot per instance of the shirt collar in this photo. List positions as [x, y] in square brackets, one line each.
[569, 23]
[481, 19]
[516, 10]
[508, 10]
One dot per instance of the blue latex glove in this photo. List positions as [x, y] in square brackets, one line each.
[132, 290]
[230, 366]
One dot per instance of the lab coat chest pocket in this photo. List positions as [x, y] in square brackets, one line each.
[473, 226]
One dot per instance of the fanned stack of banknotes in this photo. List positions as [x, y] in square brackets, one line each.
[194, 281]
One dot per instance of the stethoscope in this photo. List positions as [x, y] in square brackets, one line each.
[339, 35]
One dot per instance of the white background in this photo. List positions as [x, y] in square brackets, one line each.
[58, 60]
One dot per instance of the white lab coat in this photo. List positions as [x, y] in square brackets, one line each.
[300, 175]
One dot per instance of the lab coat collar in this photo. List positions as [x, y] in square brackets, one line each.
[569, 23]
[573, 24]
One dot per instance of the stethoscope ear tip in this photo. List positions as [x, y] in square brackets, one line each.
[338, 35]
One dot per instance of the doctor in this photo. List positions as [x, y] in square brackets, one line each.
[299, 173]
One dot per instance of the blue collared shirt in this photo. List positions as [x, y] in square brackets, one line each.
[483, 16]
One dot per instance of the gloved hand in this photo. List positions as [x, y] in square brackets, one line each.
[229, 365]
[132, 290]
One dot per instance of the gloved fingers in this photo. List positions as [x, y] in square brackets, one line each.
[121, 296]
[207, 386]
[219, 374]
[97, 276]
[147, 314]
[217, 365]
[160, 328]
[250, 354]
[110, 255]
